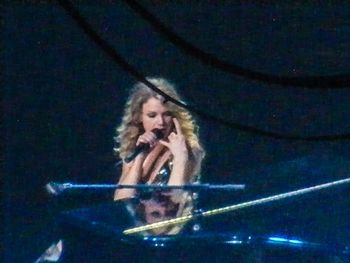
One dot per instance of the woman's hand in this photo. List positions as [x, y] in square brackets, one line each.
[147, 138]
[177, 143]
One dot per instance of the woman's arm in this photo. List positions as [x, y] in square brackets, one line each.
[131, 174]
[178, 175]
[186, 162]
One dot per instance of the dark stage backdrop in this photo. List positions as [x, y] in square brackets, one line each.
[63, 98]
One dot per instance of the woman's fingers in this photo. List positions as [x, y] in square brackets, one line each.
[147, 138]
[176, 144]
[166, 144]
[177, 126]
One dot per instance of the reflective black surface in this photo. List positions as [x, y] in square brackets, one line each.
[96, 233]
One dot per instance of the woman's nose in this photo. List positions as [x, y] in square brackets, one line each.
[160, 120]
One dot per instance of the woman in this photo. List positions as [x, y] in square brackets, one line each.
[176, 158]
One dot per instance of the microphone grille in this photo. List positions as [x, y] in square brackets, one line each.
[159, 134]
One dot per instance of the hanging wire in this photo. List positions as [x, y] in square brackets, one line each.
[110, 51]
[340, 81]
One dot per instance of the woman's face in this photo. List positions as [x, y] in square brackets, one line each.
[156, 115]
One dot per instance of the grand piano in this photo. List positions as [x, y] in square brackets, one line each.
[313, 228]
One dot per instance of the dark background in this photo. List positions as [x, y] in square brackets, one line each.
[63, 98]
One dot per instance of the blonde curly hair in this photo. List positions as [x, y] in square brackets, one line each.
[131, 126]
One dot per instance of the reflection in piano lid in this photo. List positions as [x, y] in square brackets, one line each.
[96, 233]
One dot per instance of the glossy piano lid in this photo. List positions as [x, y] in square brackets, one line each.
[146, 208]
[284, 226]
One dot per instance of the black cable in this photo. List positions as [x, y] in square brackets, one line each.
[311, 82]
[109, 50]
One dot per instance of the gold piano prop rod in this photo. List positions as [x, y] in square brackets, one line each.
[230, 208]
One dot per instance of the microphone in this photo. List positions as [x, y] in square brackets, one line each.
[142, 146]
